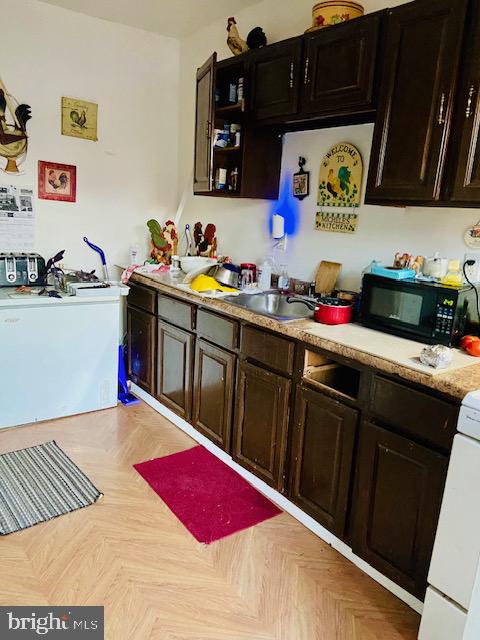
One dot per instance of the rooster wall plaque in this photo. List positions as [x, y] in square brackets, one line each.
[79, 119]
[13, 130]
[340, 177]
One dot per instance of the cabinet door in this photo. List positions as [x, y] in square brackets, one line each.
[466, 156]
[175, 369]
[274, 79]
[202, 179]
[398, 496]
[141, 348]
[340, 68]
[322, 457]
[213, 393]
[261, 423]
[416, 99]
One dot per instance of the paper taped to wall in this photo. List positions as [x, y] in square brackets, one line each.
[17, 219]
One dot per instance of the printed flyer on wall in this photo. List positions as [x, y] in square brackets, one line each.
[17, 219]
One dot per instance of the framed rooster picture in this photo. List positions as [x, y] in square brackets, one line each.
[57, 181]
[79, 119]
[301, 181]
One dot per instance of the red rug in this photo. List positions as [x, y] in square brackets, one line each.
[208, 497]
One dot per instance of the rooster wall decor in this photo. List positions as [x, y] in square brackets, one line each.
[340, 180]
[235, 42]
[79, 118]
[256, 39]
[13, 130]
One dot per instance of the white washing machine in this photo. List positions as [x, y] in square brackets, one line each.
[452, 603]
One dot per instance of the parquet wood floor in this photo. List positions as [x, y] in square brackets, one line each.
[275, 581]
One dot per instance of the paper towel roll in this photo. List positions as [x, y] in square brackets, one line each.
[278, 227]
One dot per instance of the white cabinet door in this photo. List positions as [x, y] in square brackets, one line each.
[441, 619]
[457, 544]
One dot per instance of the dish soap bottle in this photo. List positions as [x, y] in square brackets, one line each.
[283, 279]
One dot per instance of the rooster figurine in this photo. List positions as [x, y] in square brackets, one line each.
[234, 41]
[256, 38]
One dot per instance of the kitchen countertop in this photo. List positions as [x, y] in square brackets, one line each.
[390, 354]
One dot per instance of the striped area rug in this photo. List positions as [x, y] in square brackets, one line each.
[38, 484]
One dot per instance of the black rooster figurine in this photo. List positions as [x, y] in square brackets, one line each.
[256, 38]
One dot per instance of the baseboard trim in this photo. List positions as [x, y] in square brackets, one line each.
[281, 501]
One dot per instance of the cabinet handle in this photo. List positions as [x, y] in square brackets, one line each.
[307, 63]
[209, 129]
[441, 116]
[292, 69]
[468, 110]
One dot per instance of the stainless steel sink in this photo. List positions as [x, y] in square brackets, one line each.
[272, 304]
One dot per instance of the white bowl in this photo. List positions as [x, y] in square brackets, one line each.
[192, 263]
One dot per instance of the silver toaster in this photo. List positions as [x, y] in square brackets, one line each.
[18, 269]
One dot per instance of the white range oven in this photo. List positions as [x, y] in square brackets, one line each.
[451, 610]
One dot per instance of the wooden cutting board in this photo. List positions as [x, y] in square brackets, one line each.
[326, 277]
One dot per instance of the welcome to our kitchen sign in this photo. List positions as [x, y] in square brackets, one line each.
[340, 182]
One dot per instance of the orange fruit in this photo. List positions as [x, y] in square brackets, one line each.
[473, 348]
[466, 340]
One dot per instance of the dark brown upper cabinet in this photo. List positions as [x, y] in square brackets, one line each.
[322, 458]
[213, 393]
[202, 174]
[275, 73]
[398, 68]
[261, 423]
[340, 68]
[422, 50]
[255, 178]
[175, 368]
[324, 76]
[465, 157]
[399, 492]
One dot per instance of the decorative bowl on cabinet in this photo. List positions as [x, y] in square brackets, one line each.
[330, 12]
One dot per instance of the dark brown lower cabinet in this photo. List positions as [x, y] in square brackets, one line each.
[261, 423]
[213, 393]
[322, 457]
[141, 348]
[175, 368]
[398, 497]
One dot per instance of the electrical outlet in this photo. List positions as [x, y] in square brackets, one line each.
[282, 243]
[472, 271]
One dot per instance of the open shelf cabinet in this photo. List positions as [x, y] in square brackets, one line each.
[245, 168]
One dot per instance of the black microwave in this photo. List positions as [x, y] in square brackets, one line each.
[424, 311]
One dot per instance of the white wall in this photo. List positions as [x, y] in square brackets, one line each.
[130, 174]
[242, 224]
